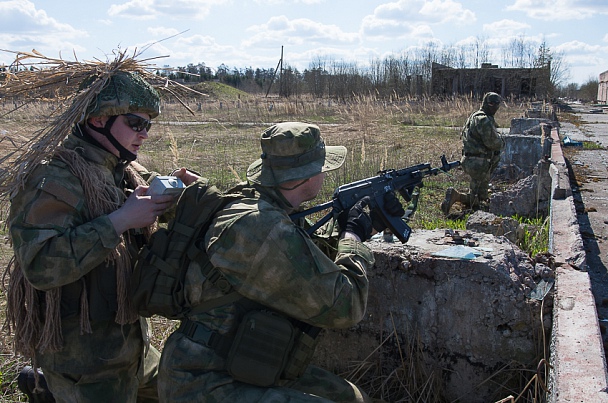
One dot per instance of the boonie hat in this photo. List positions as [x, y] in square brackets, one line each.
[293, 151]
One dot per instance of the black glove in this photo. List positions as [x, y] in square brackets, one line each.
[392, 205]
[358, 220]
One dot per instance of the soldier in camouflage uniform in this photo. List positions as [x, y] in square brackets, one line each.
[75, 225]
[482, 145]
[220, 353]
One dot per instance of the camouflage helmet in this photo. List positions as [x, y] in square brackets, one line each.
[293, 151]
[125, 92]
[491, 99]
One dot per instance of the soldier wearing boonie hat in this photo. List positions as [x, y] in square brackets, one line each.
[275, 267]
[482, 145]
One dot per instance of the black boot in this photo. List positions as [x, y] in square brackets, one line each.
[26, 382]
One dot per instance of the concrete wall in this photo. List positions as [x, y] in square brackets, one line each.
[521, 153]
[523, 148]
[525, 82]
[602, 89]
[458, 321]
[578, 368]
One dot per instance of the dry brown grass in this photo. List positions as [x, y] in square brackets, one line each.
[222, 138]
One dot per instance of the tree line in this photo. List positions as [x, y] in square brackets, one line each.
[400, 75]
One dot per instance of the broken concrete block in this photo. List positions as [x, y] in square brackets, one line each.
[452, 322]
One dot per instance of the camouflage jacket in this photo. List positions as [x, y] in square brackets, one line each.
[272, 261]
[480, 136]
[57, 246]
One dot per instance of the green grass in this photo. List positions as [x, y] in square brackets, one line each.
[592, 145]
[215, 91]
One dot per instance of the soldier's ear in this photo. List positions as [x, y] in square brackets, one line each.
[98, 121]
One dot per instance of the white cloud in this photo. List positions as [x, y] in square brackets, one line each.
[277, 2]
[398, 11]
[560, 10]
[282, 30]
[151, 9]
[447, 10]
[578, 47]
[506, 28]
[413, 19]
[390, 29]
[22, 18]
[136, 9]
[162, 32]
[425, 10]
[24, 25]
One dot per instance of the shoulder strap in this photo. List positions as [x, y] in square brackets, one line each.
[208, 270]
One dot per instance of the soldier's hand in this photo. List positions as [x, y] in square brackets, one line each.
[188, 177]
[140, 210]
[392, 206]
[358, 220]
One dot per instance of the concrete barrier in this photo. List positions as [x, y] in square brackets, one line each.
[578, 367]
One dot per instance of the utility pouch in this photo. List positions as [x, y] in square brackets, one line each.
[301, 356]
[260, 349]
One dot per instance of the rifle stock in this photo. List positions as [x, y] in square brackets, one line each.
[403, 181]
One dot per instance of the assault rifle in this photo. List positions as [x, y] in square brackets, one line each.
[404, 181]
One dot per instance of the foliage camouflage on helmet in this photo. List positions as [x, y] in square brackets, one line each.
[125, 92]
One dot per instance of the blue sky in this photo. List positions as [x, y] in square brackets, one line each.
[250, 33]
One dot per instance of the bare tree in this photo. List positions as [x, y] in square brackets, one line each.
[520, 53]
[588, 91]
[559, 69]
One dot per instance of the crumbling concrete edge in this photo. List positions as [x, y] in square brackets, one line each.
[578, 367]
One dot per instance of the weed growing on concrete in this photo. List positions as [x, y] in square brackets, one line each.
[535, 238]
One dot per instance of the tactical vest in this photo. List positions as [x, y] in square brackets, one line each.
[267, 347]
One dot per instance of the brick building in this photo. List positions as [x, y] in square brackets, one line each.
[518, 82]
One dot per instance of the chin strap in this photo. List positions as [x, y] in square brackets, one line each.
[106, 131]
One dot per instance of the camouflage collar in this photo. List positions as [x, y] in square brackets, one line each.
[93, 153]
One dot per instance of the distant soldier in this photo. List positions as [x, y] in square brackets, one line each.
[482, 145]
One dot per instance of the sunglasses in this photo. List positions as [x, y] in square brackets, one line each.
[137, 123]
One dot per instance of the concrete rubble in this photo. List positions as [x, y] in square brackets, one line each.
[470, 316]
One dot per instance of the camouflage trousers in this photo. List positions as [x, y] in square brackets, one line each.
[480, 170]
[183, 378]
[135, 383]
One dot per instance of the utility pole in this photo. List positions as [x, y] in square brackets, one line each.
[279, 65]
